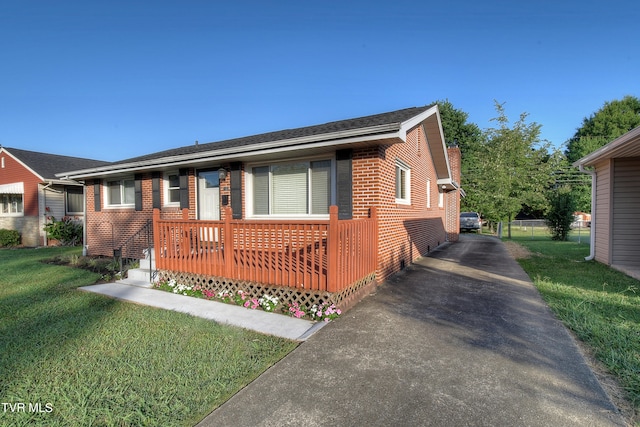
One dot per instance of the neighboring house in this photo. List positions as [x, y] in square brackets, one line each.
[30, 191]
[615, 203]
[257, 211]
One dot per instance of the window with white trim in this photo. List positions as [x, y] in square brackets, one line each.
[171, 189]
[121, 192]
[428, 192]
[12, 199]
[403, 183]
[296, 188]
[11, 204]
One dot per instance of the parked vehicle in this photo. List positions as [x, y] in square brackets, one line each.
[470, 221]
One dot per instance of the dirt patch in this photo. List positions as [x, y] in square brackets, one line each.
[517, 251]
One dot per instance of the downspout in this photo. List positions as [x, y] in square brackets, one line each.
[84, 220]
[592, 251]
[44, 221]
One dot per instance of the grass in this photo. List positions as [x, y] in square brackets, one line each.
[97, 361]
[600, 305]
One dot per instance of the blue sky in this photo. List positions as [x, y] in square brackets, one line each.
[116, 79]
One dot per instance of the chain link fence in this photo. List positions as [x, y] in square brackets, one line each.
[538, 229]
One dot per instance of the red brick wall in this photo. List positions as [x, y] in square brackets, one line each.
[453, 197]
[110, 227]
[406, 232]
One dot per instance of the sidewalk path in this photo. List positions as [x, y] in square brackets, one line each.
[257, 320]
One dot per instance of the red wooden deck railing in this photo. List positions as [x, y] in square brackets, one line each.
[326, 255]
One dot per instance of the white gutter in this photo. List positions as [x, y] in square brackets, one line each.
[592, 250]
[85, 247]
[386, 131]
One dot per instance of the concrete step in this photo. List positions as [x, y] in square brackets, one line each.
[144, 264]
[135, 282]
[139, 274]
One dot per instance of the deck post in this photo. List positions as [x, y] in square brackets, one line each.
[373, 214]
[333, 250]
[227, 239]
[156, 239]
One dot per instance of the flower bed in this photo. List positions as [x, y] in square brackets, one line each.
[318, 312]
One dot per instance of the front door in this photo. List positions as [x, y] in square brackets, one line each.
[208, 195]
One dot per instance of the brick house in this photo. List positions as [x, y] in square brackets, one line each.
[30, 192]
[276, 200]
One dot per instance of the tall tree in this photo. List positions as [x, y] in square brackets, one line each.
[455, 126]
[510, 168]
[614, 119]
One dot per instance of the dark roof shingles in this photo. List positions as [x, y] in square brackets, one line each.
[47, 165]
[398, 116]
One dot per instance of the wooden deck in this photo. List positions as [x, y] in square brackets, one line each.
[325, 255]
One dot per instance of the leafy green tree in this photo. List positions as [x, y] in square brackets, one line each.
[455, 126]
[508, 169]
[560, 215]
[614, 119]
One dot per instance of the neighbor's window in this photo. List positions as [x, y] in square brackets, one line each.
[296, 188]
[11, 204]
[121, 192]
[74, 200]
[403, 183]
[172, 188]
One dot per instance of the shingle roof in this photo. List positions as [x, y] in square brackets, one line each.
[398, 116]
[47, 165]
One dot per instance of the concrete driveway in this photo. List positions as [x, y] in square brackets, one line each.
[461, 338]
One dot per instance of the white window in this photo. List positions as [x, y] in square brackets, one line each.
[11, 205]
[12, 199]
[172, 188]
[428, 193]
[440, 199]
[74, 200]
[120, 192]
[403, 183]
[297, 188]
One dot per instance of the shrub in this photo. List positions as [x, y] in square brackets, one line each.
[9, 237]
[68, 231]
[560, 214]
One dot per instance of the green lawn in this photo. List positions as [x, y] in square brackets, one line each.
[75, 358]
[599, 304]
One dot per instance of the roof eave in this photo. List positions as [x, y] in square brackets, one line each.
[611, 149]
[381, 134]
[432, 125]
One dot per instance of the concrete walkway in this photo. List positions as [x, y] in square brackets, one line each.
[257, 320]
[462, 338]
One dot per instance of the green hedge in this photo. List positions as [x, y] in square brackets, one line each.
[9, 237]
